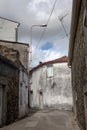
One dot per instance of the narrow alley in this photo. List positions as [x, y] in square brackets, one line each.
[48, 119]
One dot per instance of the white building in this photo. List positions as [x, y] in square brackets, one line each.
[50, 85]
[8, 29]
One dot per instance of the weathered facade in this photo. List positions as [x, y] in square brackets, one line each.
[13, 55]
[23, 91]
[18, 54]
[50, 85]
[23, 50]
[78, 60]
[9, 86]
[8, 29]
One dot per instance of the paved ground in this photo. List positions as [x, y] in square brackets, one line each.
[46, 120]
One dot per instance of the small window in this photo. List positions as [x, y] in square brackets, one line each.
[41, 93]
[49, 70]
[31, 91]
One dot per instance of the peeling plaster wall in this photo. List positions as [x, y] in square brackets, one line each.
[10, 54]
[23, 50]
[23, 92]
[52, 91]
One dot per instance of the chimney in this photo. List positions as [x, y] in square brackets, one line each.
[40, 62]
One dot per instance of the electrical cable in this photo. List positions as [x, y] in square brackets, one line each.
[46, 24]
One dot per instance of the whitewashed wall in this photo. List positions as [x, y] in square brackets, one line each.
[7, 30]
[23, 93]
[51, 91]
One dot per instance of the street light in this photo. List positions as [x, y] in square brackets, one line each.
[43, 25]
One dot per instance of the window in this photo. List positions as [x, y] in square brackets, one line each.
[31, 91]
[49, 70]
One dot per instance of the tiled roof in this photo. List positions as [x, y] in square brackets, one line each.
[59, 60]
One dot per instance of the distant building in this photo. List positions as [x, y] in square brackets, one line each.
[78, 60]
[9, 96]
[50, 85]
[8, 29]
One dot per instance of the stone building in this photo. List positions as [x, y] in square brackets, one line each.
[13, 55]
[50, 85]
[9, 46]
[9, 83]
[78, 60]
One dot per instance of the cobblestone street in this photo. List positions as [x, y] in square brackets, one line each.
[46, 120]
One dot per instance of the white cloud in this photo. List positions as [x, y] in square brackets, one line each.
[30, 12]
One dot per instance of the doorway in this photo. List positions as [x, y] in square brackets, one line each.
[41, 99]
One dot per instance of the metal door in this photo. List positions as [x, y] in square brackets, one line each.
[0, 105]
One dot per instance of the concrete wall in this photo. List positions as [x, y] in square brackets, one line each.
[23, 50]
[79, 70]
[7, 30]
[51, 91]
[23, 92]
[9, 85]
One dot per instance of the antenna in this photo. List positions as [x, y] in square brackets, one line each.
[61, 20]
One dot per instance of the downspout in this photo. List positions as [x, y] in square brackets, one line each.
[17, 32]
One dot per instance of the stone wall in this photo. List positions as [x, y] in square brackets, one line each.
[9, 81]
[78, 70]
[10, 54]
[23, 50]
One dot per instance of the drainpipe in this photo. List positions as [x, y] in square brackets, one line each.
[17, 32]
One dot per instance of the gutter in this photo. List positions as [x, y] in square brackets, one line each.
[74, 25]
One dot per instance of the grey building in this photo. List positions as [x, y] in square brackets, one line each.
[50, 85]
[78, 60]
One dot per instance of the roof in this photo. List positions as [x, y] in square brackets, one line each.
[10, 20]
[15, 42]
[59, 60]
[74, 24]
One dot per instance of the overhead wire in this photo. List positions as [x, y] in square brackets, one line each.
[46, 24]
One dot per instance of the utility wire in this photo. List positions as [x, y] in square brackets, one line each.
[47, 24]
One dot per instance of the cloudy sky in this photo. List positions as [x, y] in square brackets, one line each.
[49, 42]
